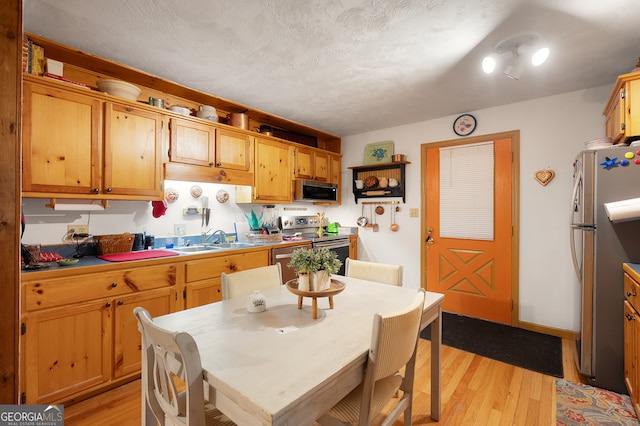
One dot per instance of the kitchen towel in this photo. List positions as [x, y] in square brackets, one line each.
[624, 210]
[136, 255]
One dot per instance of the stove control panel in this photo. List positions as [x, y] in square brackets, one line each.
[299, 222]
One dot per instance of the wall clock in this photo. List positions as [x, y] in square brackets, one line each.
[464, 125]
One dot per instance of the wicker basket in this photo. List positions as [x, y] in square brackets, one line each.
[116, 243]
[265, 238]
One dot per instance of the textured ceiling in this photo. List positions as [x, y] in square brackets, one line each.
[351, 66]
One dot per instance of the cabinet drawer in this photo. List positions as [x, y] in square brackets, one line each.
[213, 267]
[56, 292]
[632, 292]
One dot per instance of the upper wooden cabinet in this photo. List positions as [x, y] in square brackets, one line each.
[60, 131]
[272, 180]
[622, 113]
[79, 146]
[132, 152]
[202, 144]
[311, 164]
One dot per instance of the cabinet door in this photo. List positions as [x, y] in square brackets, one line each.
[304, 163]
[233, 150]
[132, 151]
[632, 108]
[631, 352]
[60, 133]
[127, 340]
[203, 292]
[66, 350]
[272, 173]
[191, 143]
[321, 166]
[336, 169]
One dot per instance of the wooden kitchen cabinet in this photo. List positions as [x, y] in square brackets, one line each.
[60, 140]
[132, 152]
[312, 164]
[79, 334]
[272, 173]
[335, 166]
[202, 276]
[66, 351]
[622, 112]
[203, 144]
[79, 145]
[632, 337]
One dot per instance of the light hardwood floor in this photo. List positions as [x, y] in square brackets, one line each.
[475, 391]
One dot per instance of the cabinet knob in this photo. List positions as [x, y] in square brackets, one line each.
[120, 302]
[218, 164]
[211, 164]
[114, 284]
[232, 266]
[109, 189]
[96, 191]
[108, 304]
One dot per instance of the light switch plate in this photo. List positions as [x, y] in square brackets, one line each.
[414, 213]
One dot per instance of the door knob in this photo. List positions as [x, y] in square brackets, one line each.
[430, 239]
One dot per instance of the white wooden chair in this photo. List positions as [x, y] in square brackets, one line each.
[378, 272]
[243, 283]
[171, 361]
[393, 345]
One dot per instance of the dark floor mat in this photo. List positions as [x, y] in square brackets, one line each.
[515, 346]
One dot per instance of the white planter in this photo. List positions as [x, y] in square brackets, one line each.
[303, 282]
[320, 281]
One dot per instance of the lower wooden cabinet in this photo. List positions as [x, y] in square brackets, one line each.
[202, 276]
[79, 333]
[632, 338]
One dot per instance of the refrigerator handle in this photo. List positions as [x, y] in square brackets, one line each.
[572, 230]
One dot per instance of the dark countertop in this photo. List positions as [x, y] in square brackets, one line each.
[93, 261]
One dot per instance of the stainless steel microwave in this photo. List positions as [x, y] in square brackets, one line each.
[314, 191]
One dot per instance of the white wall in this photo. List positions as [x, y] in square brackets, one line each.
[552, 131]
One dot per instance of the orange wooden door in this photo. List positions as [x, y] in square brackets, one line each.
[474, 273]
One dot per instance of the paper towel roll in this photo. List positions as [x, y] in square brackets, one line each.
[76, 205]
[624, 210]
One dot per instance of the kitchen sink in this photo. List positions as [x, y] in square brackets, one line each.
[209, 247]
[234, 245]
[193, 249]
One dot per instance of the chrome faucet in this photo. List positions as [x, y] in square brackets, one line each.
[222, 237]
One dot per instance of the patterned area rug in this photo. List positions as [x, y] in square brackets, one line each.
[579, 404]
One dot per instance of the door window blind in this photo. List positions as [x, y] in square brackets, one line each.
[466, 191]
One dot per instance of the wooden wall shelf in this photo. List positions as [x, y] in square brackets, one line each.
[388, 170]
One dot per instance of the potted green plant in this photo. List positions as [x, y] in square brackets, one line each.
[314, 268]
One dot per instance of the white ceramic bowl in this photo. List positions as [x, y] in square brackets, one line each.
[180, 109]
[119, 88]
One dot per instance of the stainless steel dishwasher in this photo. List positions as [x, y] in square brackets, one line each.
[282, 256]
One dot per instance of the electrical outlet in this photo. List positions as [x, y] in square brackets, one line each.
[78, 228]
[414, 213]
[180, 229]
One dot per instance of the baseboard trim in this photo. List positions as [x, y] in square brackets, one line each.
[552, 331]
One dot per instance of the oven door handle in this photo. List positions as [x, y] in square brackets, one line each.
[330, 245]
[284, 256]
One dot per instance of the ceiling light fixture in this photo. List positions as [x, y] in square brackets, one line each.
[515, 52]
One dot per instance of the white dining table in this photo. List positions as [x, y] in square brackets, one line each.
[280, 366]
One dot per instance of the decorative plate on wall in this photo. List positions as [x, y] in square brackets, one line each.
[464, 125]
[378, 153]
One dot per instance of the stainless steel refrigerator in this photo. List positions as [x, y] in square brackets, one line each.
[599, 248]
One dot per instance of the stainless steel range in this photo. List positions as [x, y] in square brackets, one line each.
[307, 227]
